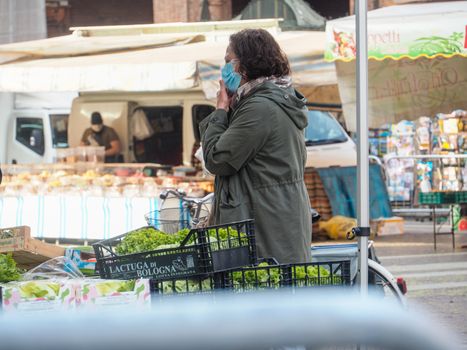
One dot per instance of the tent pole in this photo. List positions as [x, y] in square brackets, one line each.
[363, 195]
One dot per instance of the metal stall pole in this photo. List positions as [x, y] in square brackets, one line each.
[363, 196]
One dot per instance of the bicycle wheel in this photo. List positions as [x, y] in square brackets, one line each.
[381, 283]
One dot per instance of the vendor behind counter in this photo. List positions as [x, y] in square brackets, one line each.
[102, 135]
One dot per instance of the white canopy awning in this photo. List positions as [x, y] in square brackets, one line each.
[142, 62]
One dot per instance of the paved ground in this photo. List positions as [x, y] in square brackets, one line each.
[437, 280]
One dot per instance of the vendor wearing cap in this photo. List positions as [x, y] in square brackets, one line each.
[101, 135]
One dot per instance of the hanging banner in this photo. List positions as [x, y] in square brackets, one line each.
[414, 30]
[405, 89]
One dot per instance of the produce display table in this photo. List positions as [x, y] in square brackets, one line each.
[437, 199]
[75, 217]
[85, 202]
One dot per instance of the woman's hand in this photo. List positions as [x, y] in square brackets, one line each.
[223, 98]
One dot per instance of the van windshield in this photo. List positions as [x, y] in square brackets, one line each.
[59, 130]
[323, 129]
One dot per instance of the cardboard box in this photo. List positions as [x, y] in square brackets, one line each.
[27, 251]
[85, 260]
[40, 295]
[112, 293]
[51, 295]
[388, 226]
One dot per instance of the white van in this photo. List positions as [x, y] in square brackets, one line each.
[35, 125]
[328, 144]
[175, 118]
[35, 134]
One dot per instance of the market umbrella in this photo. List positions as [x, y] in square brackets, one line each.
[417, 61]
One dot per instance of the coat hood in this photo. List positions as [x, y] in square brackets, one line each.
[288, 99]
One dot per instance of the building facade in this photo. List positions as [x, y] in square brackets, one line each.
[63, 14]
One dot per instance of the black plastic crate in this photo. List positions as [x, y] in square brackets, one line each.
[428, 198]
[268, 274]
[460, 197]
[202, 285]
[287, 275]
[204, 251]
[320, 274]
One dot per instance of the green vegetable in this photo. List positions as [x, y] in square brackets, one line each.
[181, 235]
[8, 269]
[143, 240]
[227, 238]
[314, 275]
[263, 276]
[184, 286]
[148, 238]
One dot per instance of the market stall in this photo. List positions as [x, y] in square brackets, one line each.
[417, 78]
[36, 195]
[414, 69]
[402, 144]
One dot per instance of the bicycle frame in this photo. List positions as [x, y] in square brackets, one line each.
[193, 204]
[350, 251]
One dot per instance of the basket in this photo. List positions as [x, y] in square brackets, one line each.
[260, 277]
[212, 249]
[431, 198]
[172, 220]
[320, 274]
[269, 276]
[182, 286]
[460, 197]
[288, 275]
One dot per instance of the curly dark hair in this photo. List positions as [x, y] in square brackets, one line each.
[259, 54]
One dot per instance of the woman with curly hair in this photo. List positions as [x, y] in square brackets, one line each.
[254, 144]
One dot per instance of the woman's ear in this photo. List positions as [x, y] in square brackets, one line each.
[242, 72]
[244, 78]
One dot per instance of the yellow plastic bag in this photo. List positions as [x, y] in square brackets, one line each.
[338, 226]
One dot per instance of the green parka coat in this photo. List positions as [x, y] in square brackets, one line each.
[258, 155]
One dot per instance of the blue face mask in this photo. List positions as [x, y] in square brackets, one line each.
[230, 77]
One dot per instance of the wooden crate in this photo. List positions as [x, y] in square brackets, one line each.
[27, 251]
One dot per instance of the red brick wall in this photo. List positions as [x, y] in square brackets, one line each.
[190, 10]
[220, 10]
[170, 11]
[110, 12]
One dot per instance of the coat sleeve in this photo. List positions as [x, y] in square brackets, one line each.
[227, 147]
